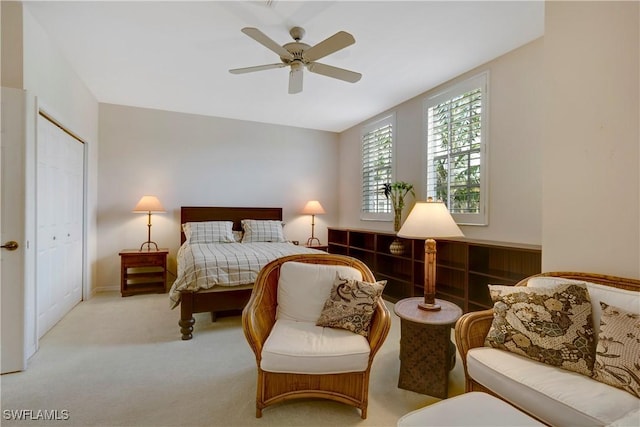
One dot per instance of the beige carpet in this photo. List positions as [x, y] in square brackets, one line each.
[118, 361]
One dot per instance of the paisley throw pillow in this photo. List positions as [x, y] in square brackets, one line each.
[351, 305]
[551, 325]
[618, 351]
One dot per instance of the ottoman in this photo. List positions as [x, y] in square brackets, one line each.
[469, 409]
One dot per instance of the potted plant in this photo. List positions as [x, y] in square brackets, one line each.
[396, 192]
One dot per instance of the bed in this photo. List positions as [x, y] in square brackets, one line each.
[198, 290]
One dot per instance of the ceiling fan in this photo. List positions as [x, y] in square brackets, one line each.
[297, 55]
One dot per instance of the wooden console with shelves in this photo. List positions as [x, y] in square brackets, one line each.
[464, 266]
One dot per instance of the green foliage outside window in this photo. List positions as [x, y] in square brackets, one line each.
[455, 144]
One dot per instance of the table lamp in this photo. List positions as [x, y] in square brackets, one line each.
[313, 208]
[149, 204]
[429, 220]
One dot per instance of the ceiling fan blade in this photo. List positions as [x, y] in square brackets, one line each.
[264, 40]
[295, 80]
[335, 72]
[338, 41]
[257, 68]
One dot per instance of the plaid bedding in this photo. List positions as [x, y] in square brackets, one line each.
[205, 265]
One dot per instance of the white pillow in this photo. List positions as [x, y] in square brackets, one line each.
[208, 232]
[625, 299]
[303, 288]
[256, 230]
[551, 282]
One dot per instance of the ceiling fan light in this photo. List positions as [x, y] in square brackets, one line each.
[295, 78]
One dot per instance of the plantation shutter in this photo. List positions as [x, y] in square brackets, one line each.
[455, 150]
[377, 165]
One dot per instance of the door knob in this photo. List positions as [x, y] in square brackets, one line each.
[10, 245]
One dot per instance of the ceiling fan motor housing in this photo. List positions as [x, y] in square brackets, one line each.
[296, 49]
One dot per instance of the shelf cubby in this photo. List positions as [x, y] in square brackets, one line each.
[465, 267]
[338, 237]
[362, 240]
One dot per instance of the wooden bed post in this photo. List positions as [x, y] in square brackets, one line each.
[186, 315]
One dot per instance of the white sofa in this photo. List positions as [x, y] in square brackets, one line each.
[553, 395]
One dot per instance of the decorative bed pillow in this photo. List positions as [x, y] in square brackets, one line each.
[551, 325]
[262, 231]
[351, 305]
[208, 232]
[237, 236]
[618, 351]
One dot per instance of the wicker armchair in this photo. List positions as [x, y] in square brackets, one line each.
[258, 319]
[472, 328]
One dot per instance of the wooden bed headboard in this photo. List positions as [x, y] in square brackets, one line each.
[215, 213]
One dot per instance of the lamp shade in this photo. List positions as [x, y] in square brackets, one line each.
[429, 220]
[149, 204]
[313, 207]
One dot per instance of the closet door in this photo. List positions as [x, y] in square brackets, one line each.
[59, 223]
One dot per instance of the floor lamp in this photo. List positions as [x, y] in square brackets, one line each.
[429, 220]
[313, 208]
[149, 204]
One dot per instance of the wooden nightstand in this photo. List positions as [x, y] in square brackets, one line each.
[143, 271]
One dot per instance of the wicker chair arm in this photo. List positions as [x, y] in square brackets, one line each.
[259, 315]
[380, 325]
[471, 330]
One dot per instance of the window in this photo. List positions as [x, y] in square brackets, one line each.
[456, 149]
[377, 167]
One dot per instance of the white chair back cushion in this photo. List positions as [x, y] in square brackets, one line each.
[303, 288]
[621, 298]
[304, 348]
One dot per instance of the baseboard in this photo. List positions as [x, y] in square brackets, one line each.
[105, 289]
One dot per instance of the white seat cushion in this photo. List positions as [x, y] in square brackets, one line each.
[556, 396]
[303, 288]
[469, 409]
[632, 419]
[304, 348]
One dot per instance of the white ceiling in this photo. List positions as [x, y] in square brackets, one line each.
[176, 55]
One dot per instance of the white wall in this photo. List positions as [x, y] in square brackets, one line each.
[11, 44]
[31, 63]
[515, 138]
[62, 95]
[591, 216]
[192, 160]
